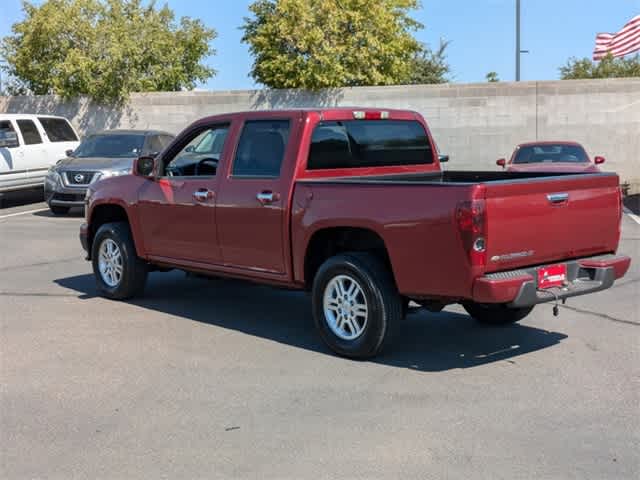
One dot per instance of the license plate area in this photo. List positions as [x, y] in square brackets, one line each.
[552, 276]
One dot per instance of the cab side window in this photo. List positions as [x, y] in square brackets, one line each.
[58, 129]
[198, 154]
[29, 132]
[154, 144]
[5, 126]
[261, 148]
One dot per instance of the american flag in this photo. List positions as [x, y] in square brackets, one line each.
[619, 44]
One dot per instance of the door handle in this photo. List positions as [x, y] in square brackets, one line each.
[558, 198]
[267, 197]
[203, 195]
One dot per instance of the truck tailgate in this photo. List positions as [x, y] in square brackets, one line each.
[548, 219]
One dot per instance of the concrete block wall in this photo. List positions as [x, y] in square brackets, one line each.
[474, 123]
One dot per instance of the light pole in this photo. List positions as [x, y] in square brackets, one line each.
[518, 50]
[517, 40]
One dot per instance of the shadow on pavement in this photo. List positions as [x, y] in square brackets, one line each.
[424, 341]
[19, 198]
[632, 202]
[73, 213]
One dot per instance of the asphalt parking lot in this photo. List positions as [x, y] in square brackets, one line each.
[223, 379]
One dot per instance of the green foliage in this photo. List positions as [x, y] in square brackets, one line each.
[430, 66]
[492, 77]
[608, 67]
[331, 43]
[105, 49]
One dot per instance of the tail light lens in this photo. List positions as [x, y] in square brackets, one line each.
[621, 206]
[472, 224]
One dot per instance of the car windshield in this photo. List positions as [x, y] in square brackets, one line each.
[551, 154]
[112, 146]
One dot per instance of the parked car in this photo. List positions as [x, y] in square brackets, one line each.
[105, 154]
[29, 145]
[550, 157]
[352, 206]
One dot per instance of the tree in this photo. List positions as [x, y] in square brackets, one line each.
[331, 43]
[429, 66]
[608, 67]
[105, 49]
[492, 77]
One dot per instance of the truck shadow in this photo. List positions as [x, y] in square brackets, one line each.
[424, 341]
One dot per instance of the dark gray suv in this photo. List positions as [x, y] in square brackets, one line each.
[104, 154]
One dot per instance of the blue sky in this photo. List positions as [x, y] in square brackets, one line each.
[481, 34]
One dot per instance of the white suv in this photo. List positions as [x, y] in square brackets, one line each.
[29, 145]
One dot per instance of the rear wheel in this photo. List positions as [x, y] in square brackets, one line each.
[58, 210]
[355, 304]
[119, 273]
[496, 314]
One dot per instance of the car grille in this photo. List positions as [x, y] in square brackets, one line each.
[79, 178]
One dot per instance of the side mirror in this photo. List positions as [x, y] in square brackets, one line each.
[8, 139]
[599, 160]
[443, 158]
[190, 149]
[144, 166]
[501, 162]
[69, 153]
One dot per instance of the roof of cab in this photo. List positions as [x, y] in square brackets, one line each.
[549, 142]
[322, 111]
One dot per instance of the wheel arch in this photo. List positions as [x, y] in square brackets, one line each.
[109, 212]
[327, 242]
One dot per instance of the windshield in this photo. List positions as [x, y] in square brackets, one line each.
[112, 146]
[551, 154]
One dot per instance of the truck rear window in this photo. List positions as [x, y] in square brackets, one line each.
[368, 143]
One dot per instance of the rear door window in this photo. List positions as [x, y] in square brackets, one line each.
[369, 143]
[29, 131]
[261, 148]
[58, 129]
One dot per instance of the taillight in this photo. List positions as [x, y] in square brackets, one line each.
[621, 206]
[472, 223]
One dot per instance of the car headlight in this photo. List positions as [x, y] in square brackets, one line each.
[116, 173]
[53, 175]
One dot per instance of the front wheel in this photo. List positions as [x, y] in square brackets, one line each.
[496, 314]
[355, 304]
[119, 273]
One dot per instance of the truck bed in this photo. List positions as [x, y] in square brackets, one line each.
[530, 219]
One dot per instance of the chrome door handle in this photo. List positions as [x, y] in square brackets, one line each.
[557, 198]
[267, 198]
[203, 195]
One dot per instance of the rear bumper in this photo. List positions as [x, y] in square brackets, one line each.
[519, 288]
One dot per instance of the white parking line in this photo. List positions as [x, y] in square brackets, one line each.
[23, 213]
[632, 215]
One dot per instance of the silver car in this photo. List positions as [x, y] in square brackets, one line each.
[105, 154]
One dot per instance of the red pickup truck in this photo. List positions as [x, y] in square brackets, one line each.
[351, 205]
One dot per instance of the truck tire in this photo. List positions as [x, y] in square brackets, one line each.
[355, 304]
[57, 210]
[119, 273]
[496, 314]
